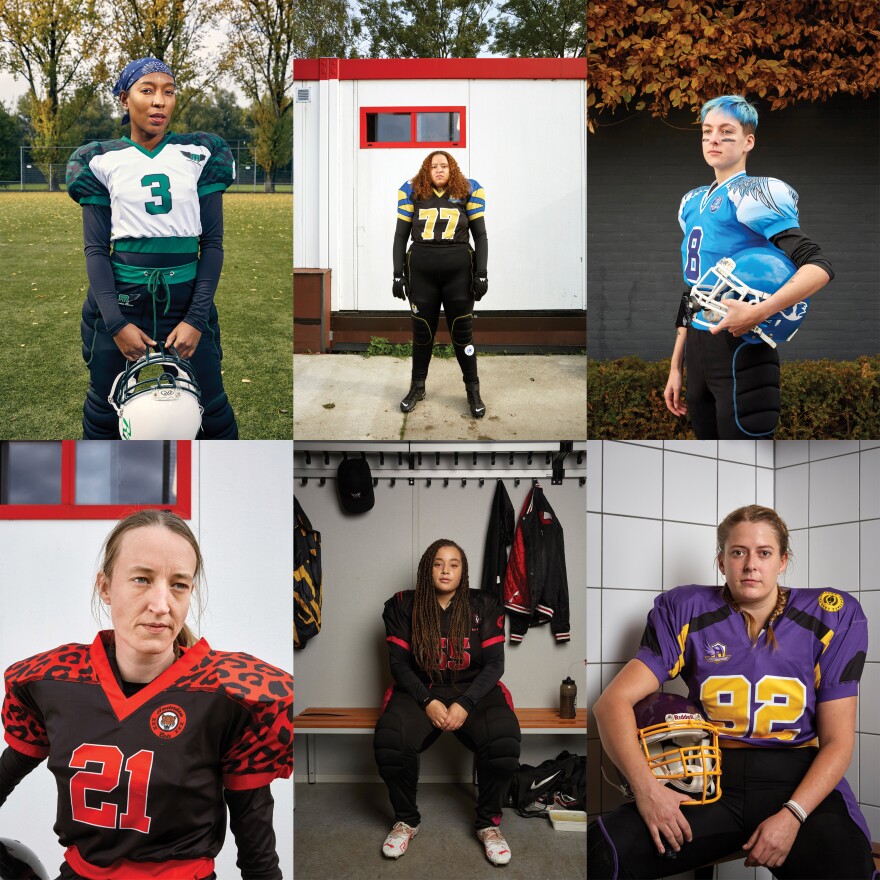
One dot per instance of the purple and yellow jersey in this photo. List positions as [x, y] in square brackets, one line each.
[720, 221]
[758, 695]
[441, 219]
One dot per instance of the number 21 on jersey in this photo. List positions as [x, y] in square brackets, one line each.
[778, 699]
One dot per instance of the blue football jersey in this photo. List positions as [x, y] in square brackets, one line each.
[743, 212]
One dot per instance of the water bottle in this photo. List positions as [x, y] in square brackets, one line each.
[567, 698]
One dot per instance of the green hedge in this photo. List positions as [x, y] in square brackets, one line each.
[821, 400]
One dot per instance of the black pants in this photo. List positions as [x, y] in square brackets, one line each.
[105, 361]
[732, 386]
[491, 732]
[755, 783]
[441, 275]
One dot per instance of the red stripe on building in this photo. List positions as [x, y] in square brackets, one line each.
[439, 68]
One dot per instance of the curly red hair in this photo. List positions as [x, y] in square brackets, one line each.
[423, 187]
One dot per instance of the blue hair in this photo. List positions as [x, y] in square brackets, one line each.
[733, 105]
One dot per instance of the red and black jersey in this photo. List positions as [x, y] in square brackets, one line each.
[466, 679]
[141, 778]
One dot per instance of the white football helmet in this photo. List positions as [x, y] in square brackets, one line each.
[164, 406]
[751, 276]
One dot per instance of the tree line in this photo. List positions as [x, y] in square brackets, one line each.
[440, 28]
[69, 53]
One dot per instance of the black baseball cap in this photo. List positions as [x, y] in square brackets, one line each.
[355, 485]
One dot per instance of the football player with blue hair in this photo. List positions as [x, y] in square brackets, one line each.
[152, 208]
[749, 270]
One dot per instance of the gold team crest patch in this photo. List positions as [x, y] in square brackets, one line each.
[829, 601]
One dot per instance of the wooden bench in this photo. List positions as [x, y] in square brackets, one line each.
[314, 721]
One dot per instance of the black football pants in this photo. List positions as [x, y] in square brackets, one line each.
[755, 783]
[491, 731]
[105, 361]
[732, 386]
[441, 275]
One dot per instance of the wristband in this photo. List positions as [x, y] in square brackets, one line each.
[799, 812]
[427, 702]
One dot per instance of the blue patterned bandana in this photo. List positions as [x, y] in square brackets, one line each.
[133, 71]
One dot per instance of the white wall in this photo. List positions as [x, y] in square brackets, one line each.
[367, 558]
[242, 517]
[652, 508]
[346, 197]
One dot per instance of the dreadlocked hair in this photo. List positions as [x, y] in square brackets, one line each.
[423, 185]
[755, 513]
[426, 614]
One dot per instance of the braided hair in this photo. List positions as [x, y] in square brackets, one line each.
[755, 513]
[426, 613]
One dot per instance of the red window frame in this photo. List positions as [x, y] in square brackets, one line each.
[412, 143]
[69, 509]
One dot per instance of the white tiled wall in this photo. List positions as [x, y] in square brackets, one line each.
[652, 510]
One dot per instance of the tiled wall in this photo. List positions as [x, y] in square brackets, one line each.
[652, 508]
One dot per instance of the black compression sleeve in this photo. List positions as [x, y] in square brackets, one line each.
[683, 318]
[481, 245]
[96, 236]
[210, 260]
[14, 766]
[801, 250]
[401, 237]
[250, 818]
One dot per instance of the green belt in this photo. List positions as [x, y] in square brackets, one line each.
[157, 281]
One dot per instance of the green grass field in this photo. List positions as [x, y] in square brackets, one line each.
[43, 283]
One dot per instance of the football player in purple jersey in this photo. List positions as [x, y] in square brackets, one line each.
[776, 671]
[152, 735]
[446, 647]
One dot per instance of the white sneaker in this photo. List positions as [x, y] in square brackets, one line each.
[398, 840]
[497, 850]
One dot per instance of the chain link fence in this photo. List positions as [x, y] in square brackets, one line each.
[43, 169]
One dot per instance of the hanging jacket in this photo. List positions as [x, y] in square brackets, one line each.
[498, 538]
[535, 584]
[307, 587]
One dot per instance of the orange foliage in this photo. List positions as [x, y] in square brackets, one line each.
[680, 53]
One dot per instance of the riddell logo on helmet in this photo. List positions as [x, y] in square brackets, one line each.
[677, 717]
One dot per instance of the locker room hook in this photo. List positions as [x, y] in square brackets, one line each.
[428, 483]
[445, 483]
[304, 481]
[375, 482]
[393, 481]
[516, 482]
[463, 482]
[322, 481]
[481, 482]
[326, 458]
[492, 459]
[582, 481]
[308, 457]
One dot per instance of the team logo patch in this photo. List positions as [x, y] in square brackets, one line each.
[829, 601]
[127, 299]
[717, 653]
[468, 350]
[500, 623]
[716, 204]
[193, 157]
[168, 721]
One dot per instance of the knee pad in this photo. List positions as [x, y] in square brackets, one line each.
[756, 397]
[601, 858]
[422, 334]
[461, 330]
[389, 746]
[218, 420]
[502, 749]
[100, 421]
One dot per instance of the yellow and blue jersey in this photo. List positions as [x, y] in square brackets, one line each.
[441, 219]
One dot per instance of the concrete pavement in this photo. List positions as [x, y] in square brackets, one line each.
[352, 397]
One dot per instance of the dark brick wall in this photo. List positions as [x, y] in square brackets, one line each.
[639, 168]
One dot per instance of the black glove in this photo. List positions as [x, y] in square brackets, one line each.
[479, 286]
[400, 287]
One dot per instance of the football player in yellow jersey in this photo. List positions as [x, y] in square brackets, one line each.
[441, 209]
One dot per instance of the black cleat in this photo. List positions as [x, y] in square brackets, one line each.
[478, 408]
[414, 395]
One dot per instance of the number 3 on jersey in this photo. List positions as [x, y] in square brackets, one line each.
[106, 779]
[160, 188]
[728, 703]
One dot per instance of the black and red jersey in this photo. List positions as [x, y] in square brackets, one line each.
[141, 778]
[465, 679]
